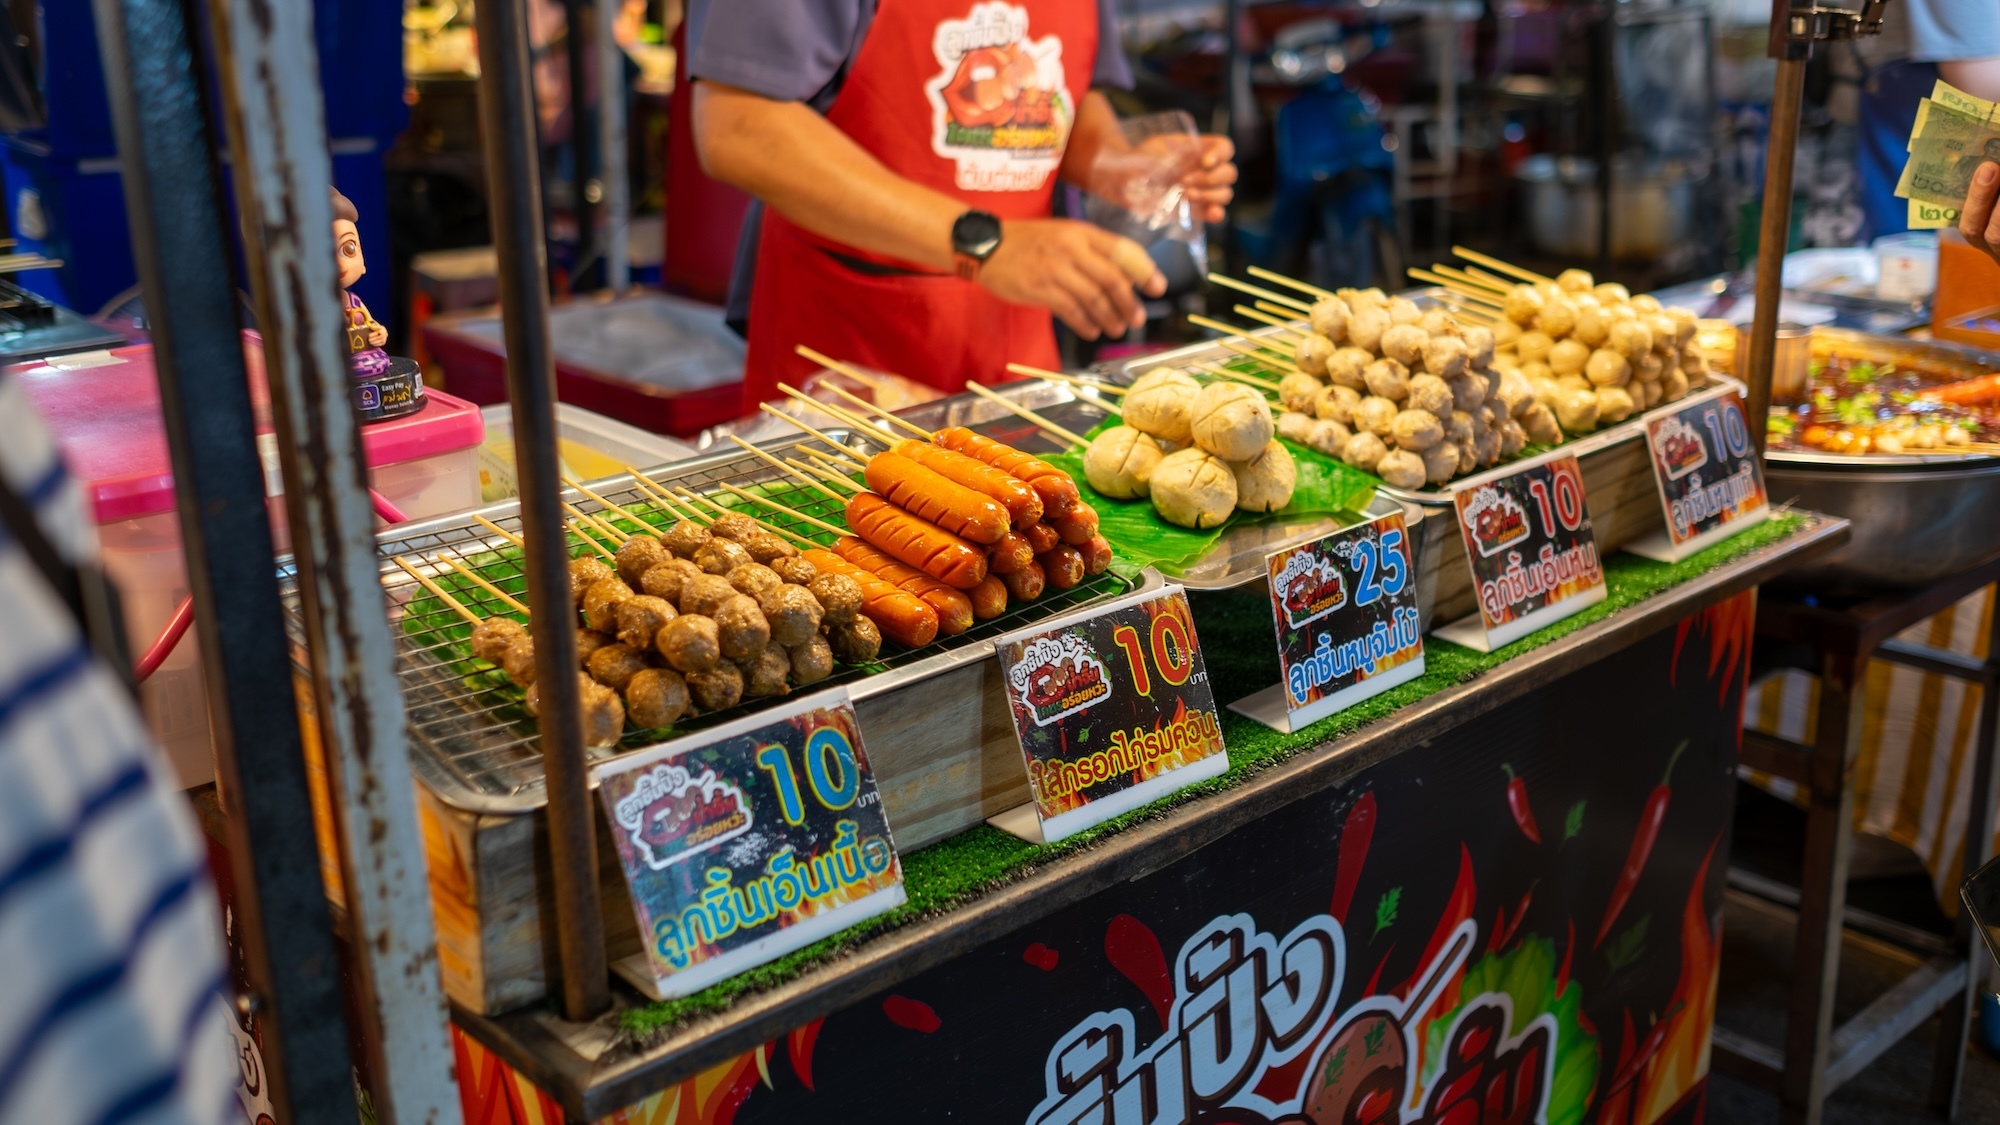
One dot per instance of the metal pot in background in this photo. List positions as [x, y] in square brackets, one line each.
[1915, 522]
[1652, 206]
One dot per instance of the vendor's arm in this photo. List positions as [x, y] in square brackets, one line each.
[1098, 135]
[806, 169]
[1962, 37]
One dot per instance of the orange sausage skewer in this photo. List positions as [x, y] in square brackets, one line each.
[1024, 504]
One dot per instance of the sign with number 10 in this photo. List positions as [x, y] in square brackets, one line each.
[1711, 485]
[747, 841]
[1345, 609]
[1113, 709]
[1534, 559]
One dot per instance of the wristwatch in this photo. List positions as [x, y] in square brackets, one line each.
[974, 238]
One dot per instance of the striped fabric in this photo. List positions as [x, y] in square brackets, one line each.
[1914, 774]
[109, 938]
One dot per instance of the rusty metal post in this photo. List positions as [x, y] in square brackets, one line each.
[277, 134]
[1774, 230]
[514, 196]
[180, 243]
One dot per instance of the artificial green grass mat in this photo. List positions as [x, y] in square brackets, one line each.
[1241, 655]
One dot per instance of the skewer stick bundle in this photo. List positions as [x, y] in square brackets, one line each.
[438, 591]
[1260, 291]
[1026, 414]
[1464, 290]
[476, 579]
[1227, 375]
[1295, 283]
[885, 414]
[1063, 377]
[1286, 328]
[497, 530]
[1509, 269]
[786, 469]
[608, 505]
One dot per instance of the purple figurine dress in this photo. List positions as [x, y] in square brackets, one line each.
[363, 357]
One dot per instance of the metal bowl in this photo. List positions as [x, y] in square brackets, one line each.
[1915, 522]
[1652, 206]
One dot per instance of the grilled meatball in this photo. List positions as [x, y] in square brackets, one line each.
[614, 665]
[667, 579]
[717, 688]
[856, 642]
[705, 593]
[838, 595]
[794, 614]
[589, 641]
[720, 556]
[603, 714]
[491, 637]
[744, 631]
[641, 618]
[754, 579]
[686, 537]
[811, 661]
[734, 526]
[764, 674]
[638, 555]
[600, 604]
[656, 698]
[767, 547]
[585, 573]
[519, 661]
[690, 642]
[795, 570]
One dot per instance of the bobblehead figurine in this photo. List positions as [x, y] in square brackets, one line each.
[385, 386]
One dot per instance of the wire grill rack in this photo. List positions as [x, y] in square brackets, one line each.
[471, 736]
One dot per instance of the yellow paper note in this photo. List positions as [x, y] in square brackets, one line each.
[1952, 97]
[1931, 216]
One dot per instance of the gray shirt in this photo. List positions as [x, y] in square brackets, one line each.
[798, 51]
[1935, 31]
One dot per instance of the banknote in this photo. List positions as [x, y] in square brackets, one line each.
[1945, 153]
[1931, 216]
[1951, 97]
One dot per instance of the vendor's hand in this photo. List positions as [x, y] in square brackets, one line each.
[1072, 269]
[1976, 220]
[377, 335]
[1212, 183]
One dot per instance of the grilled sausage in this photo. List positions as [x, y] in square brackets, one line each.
[1023, 503]
[953, 608]
[1010, 554]
[1078, 526]
[989, 598]
[1027, 583]
[1096, 555]
[917, 542]
[937, 498]
[902, 616]
[1056, 488]
[1064, 566]
[1041, 537]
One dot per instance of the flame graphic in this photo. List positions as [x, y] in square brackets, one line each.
[1730, 627]
[1681, 1063]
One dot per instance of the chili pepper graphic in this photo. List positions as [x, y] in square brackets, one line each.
[1517, 802]
[1648, 1047]
[1569, 948]
[1642, 847]
[1355, 832]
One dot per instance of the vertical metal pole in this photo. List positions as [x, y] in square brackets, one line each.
[1775, 225]
[617, 215]
[277, 132]
[581, 45]
[181, 247]
[514, 194]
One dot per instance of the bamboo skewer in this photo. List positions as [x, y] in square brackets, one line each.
[825, 464]
[694, 503]
[1089, 385]
[497, 530]
[656, 492]
[820, 434]
[838, 367]
[1261, 356]
[1301, 286]
[832, 459]
[577, 525]
[1280, 310]
[1460, 288]
[470, 617]
[1061, 377]
[693, 500]
[611, 534]
[830, 477]
[1288, 332]
[1264, 353]
[1495, 279]
[483, 584]
[786, 469]
[1259, 291]
[1493, 263]
[1227, 375]
[884, 413]
[777, 507]
[643, 525]
[1497, 287]
[1024, 412]
[862, 425]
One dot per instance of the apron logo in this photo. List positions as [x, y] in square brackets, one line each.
[999, 106]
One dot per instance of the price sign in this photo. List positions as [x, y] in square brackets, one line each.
[1113, 709]
[1534, 560]
[1348, 628]
[1711, 485]
[747, 841]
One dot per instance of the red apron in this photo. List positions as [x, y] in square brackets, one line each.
[973, 99]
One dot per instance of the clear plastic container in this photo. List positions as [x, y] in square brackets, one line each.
[590, 445]
[1908, 266]
[104, 410]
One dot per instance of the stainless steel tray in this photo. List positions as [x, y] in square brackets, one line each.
[470, 741]
[1630, 429]
[1941, 353]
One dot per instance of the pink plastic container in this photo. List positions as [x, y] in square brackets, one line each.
[104, 409]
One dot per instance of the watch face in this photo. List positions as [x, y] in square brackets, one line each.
[976, 233]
